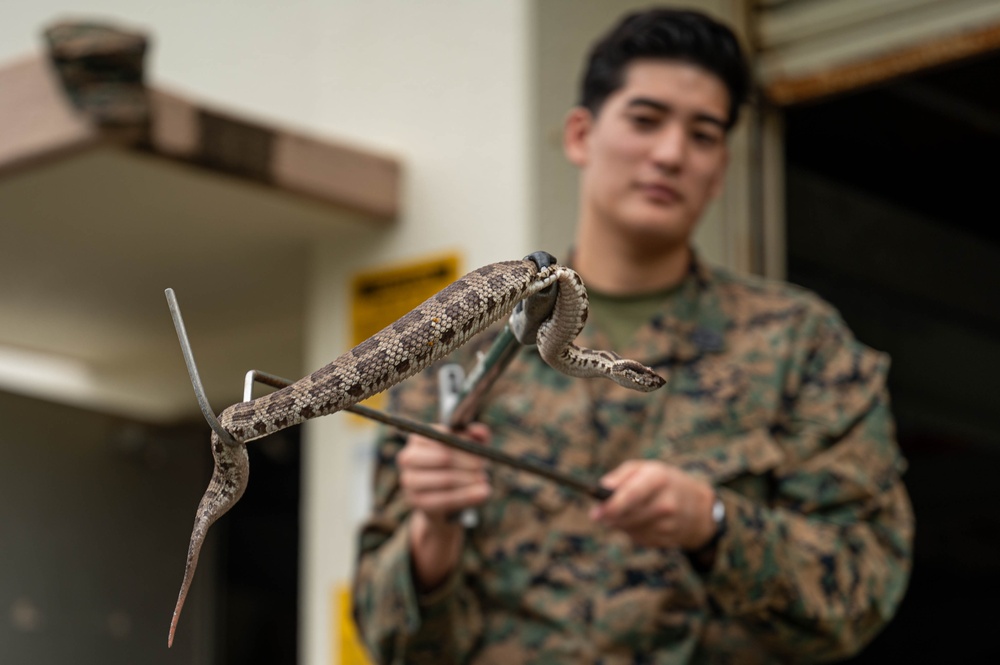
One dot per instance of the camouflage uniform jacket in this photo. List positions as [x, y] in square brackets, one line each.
[770, 398]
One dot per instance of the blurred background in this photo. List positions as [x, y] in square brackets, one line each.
[297, 170]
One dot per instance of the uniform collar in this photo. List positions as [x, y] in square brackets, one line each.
[690, 324]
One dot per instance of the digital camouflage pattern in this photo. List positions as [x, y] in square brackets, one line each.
[770, 398]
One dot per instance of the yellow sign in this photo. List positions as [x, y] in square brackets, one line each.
[380, 297]
[349, 651]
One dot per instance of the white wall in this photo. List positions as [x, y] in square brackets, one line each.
[442, 84]
[439, 84]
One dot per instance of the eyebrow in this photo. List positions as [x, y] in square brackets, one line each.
[657, 105]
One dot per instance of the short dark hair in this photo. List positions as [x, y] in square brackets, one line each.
[666, 34]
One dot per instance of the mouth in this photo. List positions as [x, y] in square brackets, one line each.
[659, 192]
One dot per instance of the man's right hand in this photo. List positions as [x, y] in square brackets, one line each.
[438, 483]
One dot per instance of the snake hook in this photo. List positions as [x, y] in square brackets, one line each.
[199, 389]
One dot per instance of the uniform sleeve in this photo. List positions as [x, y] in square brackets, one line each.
[819, 569]
[397, 623]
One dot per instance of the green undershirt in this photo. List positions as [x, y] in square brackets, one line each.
[619, 317]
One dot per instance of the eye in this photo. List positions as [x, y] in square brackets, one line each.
[644, 121]
[706, 138]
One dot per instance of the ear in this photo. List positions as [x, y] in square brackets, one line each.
[576, 130]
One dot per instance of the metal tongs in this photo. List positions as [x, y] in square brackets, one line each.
[460, 395]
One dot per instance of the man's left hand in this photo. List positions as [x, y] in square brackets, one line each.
[658, 505]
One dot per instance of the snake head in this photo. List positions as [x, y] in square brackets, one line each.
[636, 376]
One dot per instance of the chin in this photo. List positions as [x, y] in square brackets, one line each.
[654, 217]
[656, 238]
[655, 225]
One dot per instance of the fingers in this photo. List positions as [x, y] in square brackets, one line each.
[441, 503]
[636, 484]
[445, 490]
[657, 505]
[478, 432]
[615, 478]
[439, 480]
[429, 454]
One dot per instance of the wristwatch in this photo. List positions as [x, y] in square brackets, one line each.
[719, 517]
[706, 553]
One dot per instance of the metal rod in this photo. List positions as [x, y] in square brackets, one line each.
[199, 389]
[486, 372]
[521, 329]
[590, 489]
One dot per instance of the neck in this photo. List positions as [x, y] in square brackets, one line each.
[618, 265]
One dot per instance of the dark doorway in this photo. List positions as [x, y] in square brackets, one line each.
[94, 523]
[892, 217]
[259, 558]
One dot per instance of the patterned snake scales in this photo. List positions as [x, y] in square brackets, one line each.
[440, 325]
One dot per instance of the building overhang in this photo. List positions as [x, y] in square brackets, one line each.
[96, 220]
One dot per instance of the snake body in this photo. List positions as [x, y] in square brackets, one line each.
[434, 329]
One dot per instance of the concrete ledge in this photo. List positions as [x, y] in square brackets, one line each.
[40, 124]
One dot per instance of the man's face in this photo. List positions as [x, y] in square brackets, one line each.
[655, 155]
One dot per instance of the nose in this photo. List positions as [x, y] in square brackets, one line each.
[669, 147]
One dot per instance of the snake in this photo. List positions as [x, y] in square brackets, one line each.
[431, 331]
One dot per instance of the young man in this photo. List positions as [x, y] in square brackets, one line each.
[758, 514]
